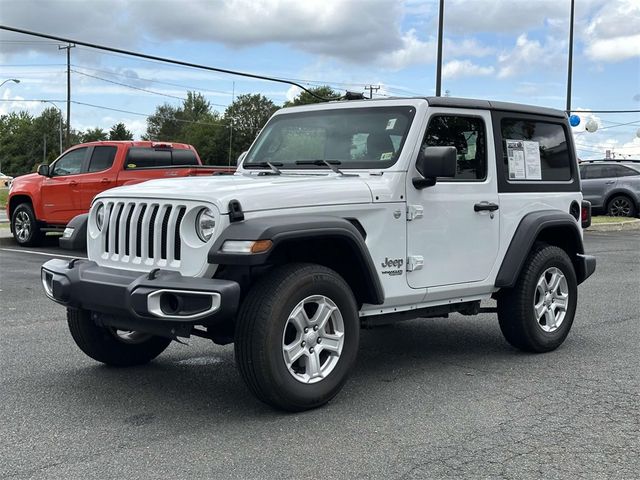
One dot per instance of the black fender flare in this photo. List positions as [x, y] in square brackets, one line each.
[78, 238]
[284, 228]
[528, 230]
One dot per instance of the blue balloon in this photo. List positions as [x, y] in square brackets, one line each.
[574, 120]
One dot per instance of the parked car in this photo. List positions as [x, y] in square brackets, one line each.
[48, 200]
[612, 187]
[5, 180]
[340, 215]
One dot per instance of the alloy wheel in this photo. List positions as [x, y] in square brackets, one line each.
[551, 299]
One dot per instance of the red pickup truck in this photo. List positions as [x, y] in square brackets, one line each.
[48, 200]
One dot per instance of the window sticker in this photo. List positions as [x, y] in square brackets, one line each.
[532, 160]
[131, 165]
[391, 124]
[515, 156]
[386, 156]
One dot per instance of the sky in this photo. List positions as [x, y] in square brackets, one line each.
[515, 50]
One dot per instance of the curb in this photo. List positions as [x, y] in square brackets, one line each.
[615, 227]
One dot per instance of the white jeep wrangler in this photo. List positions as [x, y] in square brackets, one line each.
[340, 215]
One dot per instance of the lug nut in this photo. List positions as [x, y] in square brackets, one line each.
[315, 328]
[306, 329]
[303, 343]
[311, 350]
[319, 340]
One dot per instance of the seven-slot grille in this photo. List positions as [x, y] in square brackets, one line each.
[142, 232]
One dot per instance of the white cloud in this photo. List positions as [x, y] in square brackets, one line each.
[465, 68]
[612, 34]
[413, 51]
[528, 55]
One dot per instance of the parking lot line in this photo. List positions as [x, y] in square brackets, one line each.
[57, 255]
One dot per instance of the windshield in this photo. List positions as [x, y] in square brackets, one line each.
[350, 137]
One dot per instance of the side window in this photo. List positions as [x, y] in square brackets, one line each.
[467, 134]
[622, 171]
[70, 163]
[535, 150]
[102, 158]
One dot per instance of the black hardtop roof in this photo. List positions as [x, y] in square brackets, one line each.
[454, 102]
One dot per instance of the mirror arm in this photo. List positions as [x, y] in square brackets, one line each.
[421, 182]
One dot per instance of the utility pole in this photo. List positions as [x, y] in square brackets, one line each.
[68, 49]
[570, 67]
[233, 99]
[371, 88]
[439, 61]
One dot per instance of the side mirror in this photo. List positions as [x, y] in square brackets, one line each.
[435, 162]
[43, 169]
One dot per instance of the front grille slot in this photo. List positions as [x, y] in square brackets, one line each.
[142, 233]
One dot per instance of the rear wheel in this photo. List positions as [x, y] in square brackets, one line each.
[25, 227]
[297, 336]
[537, 313]
[119, 348]
[621, 206]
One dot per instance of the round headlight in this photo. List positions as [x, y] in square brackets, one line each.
[205, 224]
[100, 216]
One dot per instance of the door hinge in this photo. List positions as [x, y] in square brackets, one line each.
[415, 262]
[414, 211]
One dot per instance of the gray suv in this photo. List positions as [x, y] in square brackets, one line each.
[613, 187]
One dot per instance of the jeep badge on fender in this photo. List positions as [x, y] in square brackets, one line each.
[309, 241]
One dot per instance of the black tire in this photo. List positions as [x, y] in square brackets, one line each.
[21, 218]
[621, 206]
[104, 345]
[260, 335]
[516, 315]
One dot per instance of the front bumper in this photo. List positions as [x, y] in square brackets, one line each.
[159, 301]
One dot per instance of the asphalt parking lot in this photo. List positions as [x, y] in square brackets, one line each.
[443, 398]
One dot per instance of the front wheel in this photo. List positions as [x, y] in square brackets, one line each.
[537, 313]
[25, 227]
[118, 348]
[297, 336]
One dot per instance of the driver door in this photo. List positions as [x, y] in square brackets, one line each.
[457, 243]
[60, 192]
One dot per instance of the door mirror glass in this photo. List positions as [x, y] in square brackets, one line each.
[43, 169]
[434, 162]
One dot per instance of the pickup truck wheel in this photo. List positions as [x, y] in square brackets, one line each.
[297, 336]
[119, 348]
[536, 314]
[25, 226]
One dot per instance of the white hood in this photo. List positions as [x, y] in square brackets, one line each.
[264, 192]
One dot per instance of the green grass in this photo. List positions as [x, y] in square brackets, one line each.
[4, 193]
[606, 219]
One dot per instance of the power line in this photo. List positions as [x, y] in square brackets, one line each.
[161, 59]
[138, 88]
[603, 111]
[151, 80]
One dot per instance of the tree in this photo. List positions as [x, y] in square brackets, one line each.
[163, 124]
[119, 132]
[94, 135]
[305, 98]
[246, 116]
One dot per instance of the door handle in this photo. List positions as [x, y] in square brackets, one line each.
[105, 180]
[485, 207]
[610, 182]
[73, 183]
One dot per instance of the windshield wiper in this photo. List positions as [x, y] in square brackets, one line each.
[329, 163]
[272, 165]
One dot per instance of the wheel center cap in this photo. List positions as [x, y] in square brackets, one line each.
[311, 337]
[547, 299]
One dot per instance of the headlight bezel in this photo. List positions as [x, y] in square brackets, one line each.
[198, 224]
[99, 216]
